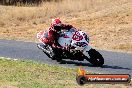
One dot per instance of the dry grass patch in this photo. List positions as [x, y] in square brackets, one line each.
[108, 22]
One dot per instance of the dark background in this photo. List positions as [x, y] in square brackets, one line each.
[23, 2]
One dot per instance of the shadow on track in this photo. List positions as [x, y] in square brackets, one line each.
[115, 67]
[90, 65]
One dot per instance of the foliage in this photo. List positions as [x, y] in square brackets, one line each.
[24, 2]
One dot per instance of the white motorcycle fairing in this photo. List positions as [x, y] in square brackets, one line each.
[76, 39]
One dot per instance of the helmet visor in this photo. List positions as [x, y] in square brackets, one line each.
[58, 28]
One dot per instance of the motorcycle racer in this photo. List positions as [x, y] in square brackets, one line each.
[50, 37]
[52, 34]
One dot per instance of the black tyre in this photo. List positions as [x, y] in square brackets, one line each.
[81, 80]
[96, 58]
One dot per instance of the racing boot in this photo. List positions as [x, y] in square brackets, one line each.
[42, 47]
[47, 50]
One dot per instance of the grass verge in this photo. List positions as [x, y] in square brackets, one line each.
[31, 74]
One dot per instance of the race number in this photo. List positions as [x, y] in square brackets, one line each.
[77, 36]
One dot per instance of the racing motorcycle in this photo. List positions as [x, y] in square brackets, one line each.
[78, 47]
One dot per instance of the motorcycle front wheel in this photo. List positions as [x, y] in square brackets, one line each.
[96, 59]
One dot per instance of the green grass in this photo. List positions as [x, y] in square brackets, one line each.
[31, 74]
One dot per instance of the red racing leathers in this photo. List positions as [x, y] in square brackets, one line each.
[51, 36]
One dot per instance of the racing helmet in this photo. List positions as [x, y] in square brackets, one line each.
[56, 24]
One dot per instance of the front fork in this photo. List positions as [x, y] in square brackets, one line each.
[86, 50]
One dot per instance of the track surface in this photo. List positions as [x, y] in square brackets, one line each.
[115, 62]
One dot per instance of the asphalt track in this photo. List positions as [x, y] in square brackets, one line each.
[115, 62]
